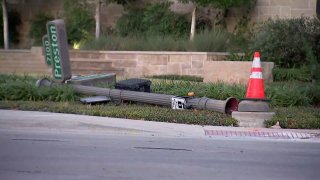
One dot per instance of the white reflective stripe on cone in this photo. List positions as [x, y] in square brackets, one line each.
[256, 75]
[256, 63]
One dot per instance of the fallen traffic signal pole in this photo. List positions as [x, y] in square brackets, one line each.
[176, 102]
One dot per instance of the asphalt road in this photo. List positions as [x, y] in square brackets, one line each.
[61, 154]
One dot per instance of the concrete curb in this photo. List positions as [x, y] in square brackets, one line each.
[70, 122]
[263, 132]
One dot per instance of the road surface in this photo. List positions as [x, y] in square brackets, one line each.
[45, 153]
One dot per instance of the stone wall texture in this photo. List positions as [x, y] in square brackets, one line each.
[213, 67]
[274, 9]
[284, 9]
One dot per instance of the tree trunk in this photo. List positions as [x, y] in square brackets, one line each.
[5, 25]
[97, 17]
[314, 73]
[193, 23]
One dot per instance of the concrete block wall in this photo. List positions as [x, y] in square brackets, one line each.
[211, 66]
[142, 63]
[265, 9]
[234, 72]
[284, 9]
[23, 62]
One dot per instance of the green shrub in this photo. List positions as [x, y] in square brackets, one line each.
[160, 20]
[213, 41]
[155, 43]
[130, 24]
[15, 87]
[150, 43]
[130, 111]
[288, 94]
[79, 20]
[27, 91]
[210, 90]
[283, 41]
[103, 43]
[296, 118]
[203, 24]
[38, 27]
[292, 74]
[155, 20]
[282, 94]
[313, 92]
[57, 94]
[240, 56]
[4, 78]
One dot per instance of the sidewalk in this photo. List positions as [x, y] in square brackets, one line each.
[71, 122]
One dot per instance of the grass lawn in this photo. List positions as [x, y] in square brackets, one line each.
[295, 104]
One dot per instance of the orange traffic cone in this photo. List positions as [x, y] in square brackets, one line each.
[255, 100]
[255, 88]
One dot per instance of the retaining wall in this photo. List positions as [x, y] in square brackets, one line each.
[211, 66]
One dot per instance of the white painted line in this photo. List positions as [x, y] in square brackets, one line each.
[294, 135]
[299, 135]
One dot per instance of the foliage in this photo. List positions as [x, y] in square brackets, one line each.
[240, 56]
[214, 41]
[225, 6]
[288, 49]
[149, 43]
[314, 94]
[302, 74]
[210, 90]
[239, 43]
[122, 2]
[160, 20]
[28, 92]
[4, 78]
[296, 118]
[14, 87]
[129, 111]
[203, 24]
[155, 19]
[178, 77]
[288, 94]
[14, 20]
[79, 20]
[243, 27]
[312, 60]
[131, 23]
[290, 117]
[281, 94]
[38, 27]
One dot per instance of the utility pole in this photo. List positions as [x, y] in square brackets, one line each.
[97, 17]
[193, 23]
[5, 24]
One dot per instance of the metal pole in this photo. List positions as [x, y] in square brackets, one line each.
[227, 106]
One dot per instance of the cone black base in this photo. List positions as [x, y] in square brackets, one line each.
[254, 105]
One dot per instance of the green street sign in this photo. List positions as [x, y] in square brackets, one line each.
[59, 50]
[55, 51]
[47, 49]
